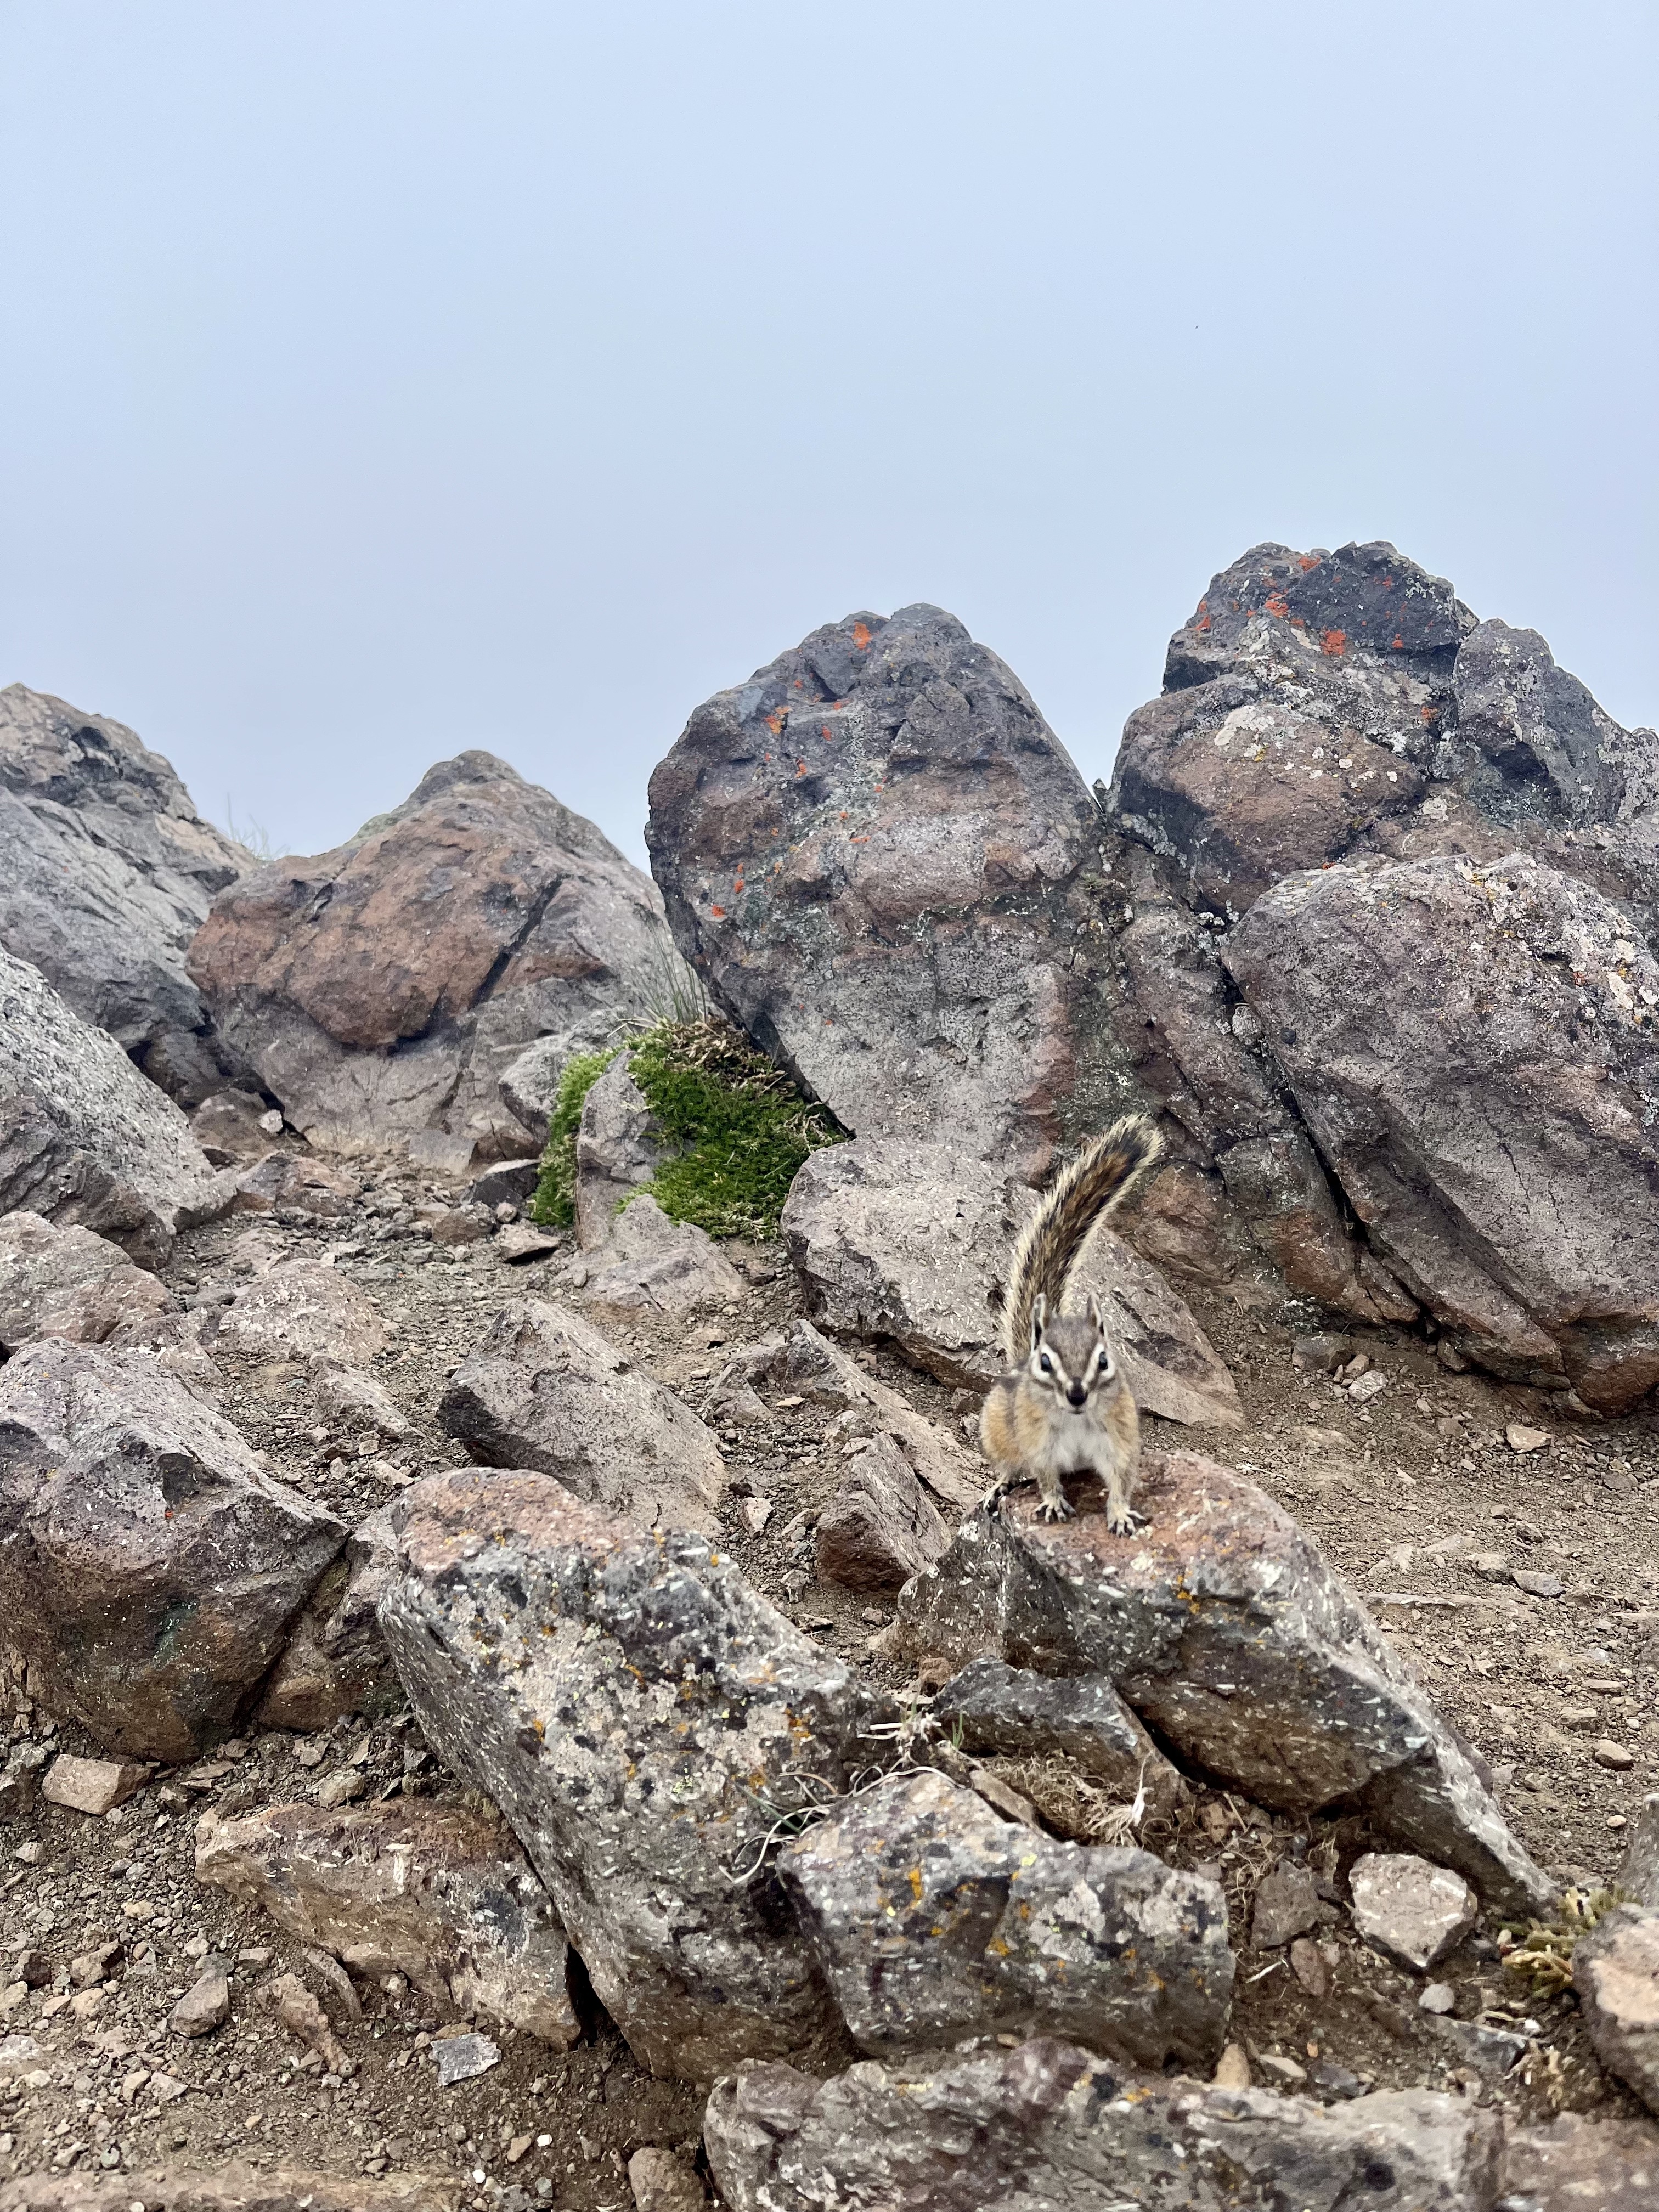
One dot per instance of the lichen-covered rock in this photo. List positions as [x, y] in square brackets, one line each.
[1476, 1052]
[880, 1526]
[992, 1709]
[334, 1660]
[883, 862]
[1049, 2128]
[546, 1390]
[107, 871]
[933, 1920]
[434, 1892]
[912, 1241]
[1224, 1626]
[388, 985]
[84, 1139]
[1615, 1973]
[303, 1309]
[149, 1565]
[69, 1283]
[639, 1714]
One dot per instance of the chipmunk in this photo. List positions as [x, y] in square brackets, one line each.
[1063, 1409]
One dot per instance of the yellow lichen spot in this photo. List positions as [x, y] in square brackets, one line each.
[915, 1883]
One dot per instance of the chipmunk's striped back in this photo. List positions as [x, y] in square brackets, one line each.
[1080, 1197]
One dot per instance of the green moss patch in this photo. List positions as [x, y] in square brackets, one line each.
[735, 1126]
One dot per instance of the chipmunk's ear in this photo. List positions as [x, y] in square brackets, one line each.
[1095, 1316]
[1039, 1315]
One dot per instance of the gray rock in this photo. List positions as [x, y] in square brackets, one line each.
[805, 1364]
[435, 1893]
[334, 1660]
[1638, 1870]
[618, 1147]
[1472, 1050]
[509, 1182]
[205, 2004]
[640, 1715]
[1229, 1632]
[1414, 1911]
[230, 1127]
[384, 988]
[933, 1920]
[1048, 2128]
[84, 1139]
[991, 1708]
[348, 1395]
[660, 2182]
[293, 1182]
[665, 1266]
[1285, 1906]
[1615, 1975]
[107, 871]
[529, 1086]
[303, 1309]
[1581, 2162]
[546, 1390]
[69, 1283]
[462, 2057]
[1529, 740]
[149, 1565]
[879, 858]
[910, 1241]
[879, 1528]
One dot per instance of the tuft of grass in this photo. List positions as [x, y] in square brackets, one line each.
[555, 1202]
[734, 1127]
[739, 1127]
[1542, 1950]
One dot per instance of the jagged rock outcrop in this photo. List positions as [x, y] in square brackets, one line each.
[886, 867]
[149, 1565]
[106, 872]
[84, 1139]
[1048, 2128]
[388, 985]
[912, 1243]
[435, 1893]
[638, 1712]
[1225, 1629]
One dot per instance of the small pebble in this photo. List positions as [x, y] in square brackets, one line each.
[1438, 1996]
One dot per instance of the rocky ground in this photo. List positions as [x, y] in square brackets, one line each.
[1512, 1556]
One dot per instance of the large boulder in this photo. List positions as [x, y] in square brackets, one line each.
[1224, 1626]
[71, 1282]
[84, 1139]
[934, 1919]
[1047, 2127]
[1476, 1053]
[545, 1390]
[643, 1717]
[913, 1242]
[106, 872]
[149, 1565]
[435, 1893]
[387, 986]
[885, 865]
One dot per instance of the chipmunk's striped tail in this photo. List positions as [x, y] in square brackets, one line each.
[1081, 1196]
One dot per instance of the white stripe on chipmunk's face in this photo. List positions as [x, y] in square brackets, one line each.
[1070, 1355]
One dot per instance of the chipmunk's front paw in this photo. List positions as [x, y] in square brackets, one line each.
[1055, 1508]
[1123, 1520]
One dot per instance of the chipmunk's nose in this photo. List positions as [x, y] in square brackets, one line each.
[1078, 1394]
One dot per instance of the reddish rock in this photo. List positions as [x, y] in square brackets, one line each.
[387, 986]
[69, 1283]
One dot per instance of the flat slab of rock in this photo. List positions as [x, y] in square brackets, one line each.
[434, 1892]
[91, 1786]
[69, 1282]
[1414, 1911]
[1493, 1136]
[1582, 2163]
[384, 988]
[663, 1266]
[545, 1389]
[302, 1309]
[149, 1565]
[85, 1140]
[334, 1660]
[1615, 1972]
[1049, 2128]
[1285, 1906]
[991, 1708]
[880, 1526]
[912, 1241]
[1225, 1628]
[231, 2188]
[933, 1920]
[878, 856]
[636, 1710]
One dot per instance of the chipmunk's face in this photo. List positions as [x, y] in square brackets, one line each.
[1070, 1356]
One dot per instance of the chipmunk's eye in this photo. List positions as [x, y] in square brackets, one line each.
[1047, 1365]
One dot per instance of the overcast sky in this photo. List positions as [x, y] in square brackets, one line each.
[380, 378]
